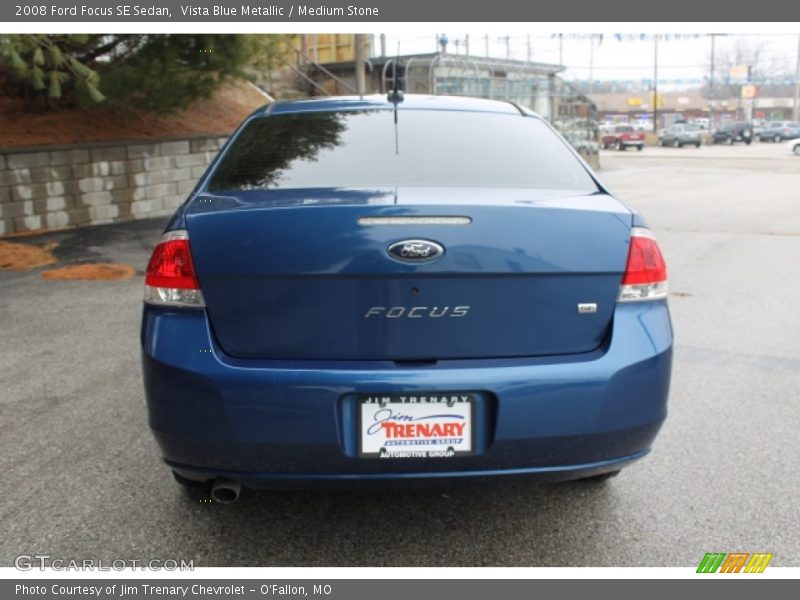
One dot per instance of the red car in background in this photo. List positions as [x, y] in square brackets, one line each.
[621, 137]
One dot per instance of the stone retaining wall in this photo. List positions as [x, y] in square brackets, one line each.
[69, 186]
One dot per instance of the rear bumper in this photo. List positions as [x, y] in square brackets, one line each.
[258, 421]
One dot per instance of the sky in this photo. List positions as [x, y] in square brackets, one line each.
[680, 60]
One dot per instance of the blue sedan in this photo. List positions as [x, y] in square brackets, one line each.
[396, 288]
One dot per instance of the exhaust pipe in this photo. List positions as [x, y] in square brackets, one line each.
[225, 491]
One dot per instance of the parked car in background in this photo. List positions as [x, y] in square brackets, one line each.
[780, 131]
[358, 291]
[794, 146]
[680, 135]
[623, 137]
[731, 132]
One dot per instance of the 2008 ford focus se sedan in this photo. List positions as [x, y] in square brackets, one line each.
[383, 288]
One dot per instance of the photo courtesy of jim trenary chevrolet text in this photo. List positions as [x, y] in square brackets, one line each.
[369, 299]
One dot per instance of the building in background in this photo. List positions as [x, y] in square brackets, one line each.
[690, 105]
[327, 65]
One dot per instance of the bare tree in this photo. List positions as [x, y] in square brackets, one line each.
[756, 61]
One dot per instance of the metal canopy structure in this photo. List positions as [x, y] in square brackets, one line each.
[534, 85]
[521, 82]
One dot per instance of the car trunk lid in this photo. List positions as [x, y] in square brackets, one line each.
[306, 274]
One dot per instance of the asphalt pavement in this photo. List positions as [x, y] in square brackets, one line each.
[81, 476]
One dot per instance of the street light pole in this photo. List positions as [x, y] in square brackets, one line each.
[711, 85]
[796, 111]
[655, 85]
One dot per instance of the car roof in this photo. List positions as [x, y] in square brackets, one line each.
[381, 101]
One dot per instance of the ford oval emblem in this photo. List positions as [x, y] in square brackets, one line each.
[415, 250]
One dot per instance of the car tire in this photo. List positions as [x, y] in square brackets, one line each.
[193, 490]
[676, 143]
[620, 146]
[796, 149]
[640, 147]
[777, 139]
[662, 143]
[697, 145]
[730, 140]
[600, 478]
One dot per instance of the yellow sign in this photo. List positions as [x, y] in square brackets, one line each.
[739, 72]
[634, 101]
[657, 102]
[749, 91]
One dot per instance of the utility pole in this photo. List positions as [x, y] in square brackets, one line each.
[655, 85]
[466, 45]
[360, 64]
[796, 111]
[486, 44]
[561, 49]
[383, 45]
[528, 43]
[591, 65]
[711, 86]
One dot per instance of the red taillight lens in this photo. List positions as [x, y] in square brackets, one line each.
[171, 266]
[171, 279]
[645, 275]
[645, 262]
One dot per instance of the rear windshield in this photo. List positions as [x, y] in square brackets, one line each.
[624, 129]
[426, 148]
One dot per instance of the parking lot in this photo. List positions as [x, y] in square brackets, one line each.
[81, 475]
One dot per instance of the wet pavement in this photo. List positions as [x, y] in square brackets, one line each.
[81, 475]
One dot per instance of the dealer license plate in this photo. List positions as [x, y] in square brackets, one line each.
[415, 425]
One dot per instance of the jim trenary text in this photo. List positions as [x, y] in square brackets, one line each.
[180, 591]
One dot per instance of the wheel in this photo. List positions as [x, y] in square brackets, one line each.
[662, 143]
[776, 139]
[600, 478]
[697, 145]
[676, 143]
[620, 146]
[796, 149]
[640, 147]
[730, 140]
[748, 141]
[605, 146]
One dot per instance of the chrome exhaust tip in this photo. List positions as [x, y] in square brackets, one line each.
[225, 491]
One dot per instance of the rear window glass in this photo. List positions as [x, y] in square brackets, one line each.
[427, 148]
[624, 129]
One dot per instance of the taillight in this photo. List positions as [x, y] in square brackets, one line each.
[171, 279]
[646, 272]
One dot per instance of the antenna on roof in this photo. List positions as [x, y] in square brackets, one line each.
[396, 94]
